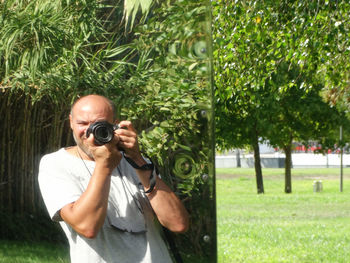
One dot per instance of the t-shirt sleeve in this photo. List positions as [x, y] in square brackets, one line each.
[57, 185]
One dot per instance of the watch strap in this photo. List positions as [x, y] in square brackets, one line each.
[145, 167]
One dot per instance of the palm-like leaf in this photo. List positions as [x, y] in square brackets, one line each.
[131, 7]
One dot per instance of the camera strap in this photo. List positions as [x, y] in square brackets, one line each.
[145, 167]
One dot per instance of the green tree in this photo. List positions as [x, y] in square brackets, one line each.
[301, 115]
[269, 74]
[239, 78]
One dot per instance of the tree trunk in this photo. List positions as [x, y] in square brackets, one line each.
[288, 168]
[257, 165]
[238, 158]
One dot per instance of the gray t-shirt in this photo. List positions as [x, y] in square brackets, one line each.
[130, 232]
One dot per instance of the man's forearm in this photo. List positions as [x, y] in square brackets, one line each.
[87, 215]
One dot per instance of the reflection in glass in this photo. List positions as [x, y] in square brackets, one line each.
[157, 70]
[176, 120]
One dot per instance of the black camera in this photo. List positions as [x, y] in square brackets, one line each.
[103, 132]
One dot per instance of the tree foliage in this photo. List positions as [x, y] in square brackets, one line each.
[270, 72]
[172, 93]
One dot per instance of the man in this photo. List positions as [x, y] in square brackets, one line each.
[105, 206]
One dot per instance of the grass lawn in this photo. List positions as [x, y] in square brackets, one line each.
[276, 227]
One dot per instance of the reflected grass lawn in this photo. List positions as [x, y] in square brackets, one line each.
[276, 227]
[26, 252]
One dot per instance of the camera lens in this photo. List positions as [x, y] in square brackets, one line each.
[102, 133]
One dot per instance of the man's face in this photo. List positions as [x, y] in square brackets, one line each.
[84, 113]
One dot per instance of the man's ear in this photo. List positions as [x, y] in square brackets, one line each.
[71, 121]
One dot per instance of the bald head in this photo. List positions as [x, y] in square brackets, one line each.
[94, 103]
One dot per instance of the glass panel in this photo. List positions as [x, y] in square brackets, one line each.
[157, 69]
[177, 115]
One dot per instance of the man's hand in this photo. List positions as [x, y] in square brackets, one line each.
[128, 141]
[106, 155]
[169, 209]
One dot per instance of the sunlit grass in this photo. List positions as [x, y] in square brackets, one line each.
[297, 172]
[27, 252]
[276, 227]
